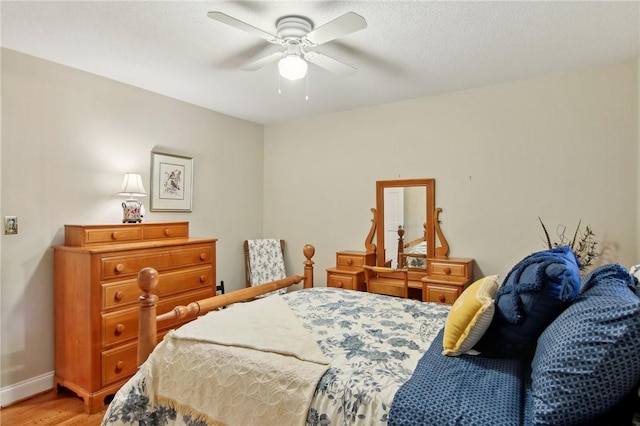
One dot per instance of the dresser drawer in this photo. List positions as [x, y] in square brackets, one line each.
[441, 293]
[161, 259]
[353, 259]
[118, 327]
[388, 286]
[348, 282]
[123, 293]
[119, 363]
[447, 269]
[164, 230]
[95, 236]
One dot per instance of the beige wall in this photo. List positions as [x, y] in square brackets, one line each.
[67, 139]
[562, 147]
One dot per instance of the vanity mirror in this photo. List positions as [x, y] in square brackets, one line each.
[406, 230]
[407, 235]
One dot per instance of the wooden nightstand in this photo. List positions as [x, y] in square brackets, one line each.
[446, 279]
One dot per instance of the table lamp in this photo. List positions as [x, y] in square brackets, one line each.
[132, 209]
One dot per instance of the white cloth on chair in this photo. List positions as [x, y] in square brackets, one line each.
[266, 262]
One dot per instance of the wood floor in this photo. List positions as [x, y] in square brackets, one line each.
[49, 409]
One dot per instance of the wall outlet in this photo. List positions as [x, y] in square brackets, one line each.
[10, 225]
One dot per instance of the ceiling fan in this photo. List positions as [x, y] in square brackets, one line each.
[296, 34]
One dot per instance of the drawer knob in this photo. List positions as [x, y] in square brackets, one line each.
[119, 329]
[203, 256]
[447, 270]
[340, 285]
[349, 262]
[119, 366]
[203, 279]
[119, 295]
[442, 299]
[115, 235]
[119, 267]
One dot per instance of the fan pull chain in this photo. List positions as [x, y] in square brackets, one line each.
[306, 95]
[279, 83]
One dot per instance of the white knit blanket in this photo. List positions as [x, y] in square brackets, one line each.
[252, 363]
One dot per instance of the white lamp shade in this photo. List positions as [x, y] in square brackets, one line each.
[132, 186]
[292, 67]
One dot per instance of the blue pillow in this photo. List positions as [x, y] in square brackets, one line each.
[588, 359]
[533, 294]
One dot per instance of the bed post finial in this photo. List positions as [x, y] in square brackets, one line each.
[308, 251]
[147, 326]
[400, 261]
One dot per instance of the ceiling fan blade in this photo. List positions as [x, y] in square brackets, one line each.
[256, 65]
[346, 24]
[330, 64]
[226, 19]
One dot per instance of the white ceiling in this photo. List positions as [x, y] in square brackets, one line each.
[410, 48]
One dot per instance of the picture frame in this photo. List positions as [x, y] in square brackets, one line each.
[10, 225]
[171, 182]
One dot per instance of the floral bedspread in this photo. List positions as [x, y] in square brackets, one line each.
[374, 343]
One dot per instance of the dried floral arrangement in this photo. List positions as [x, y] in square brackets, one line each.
[583, 243]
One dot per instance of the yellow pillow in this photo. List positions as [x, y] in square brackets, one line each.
[470, 316]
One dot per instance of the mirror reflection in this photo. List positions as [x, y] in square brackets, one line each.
[405, 234]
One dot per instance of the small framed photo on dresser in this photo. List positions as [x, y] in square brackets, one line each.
[171, 182]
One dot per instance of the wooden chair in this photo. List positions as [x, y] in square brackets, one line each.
[264, 261]
[389, 281]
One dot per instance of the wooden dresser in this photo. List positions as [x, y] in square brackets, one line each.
[96, 295]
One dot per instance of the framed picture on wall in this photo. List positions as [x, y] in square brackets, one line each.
[171, 182]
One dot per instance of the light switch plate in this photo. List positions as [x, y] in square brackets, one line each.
[10, 225]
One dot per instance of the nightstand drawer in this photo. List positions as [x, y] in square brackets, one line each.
[163, 230]
[118, 327]
[440, 294]
[125, 293]
[130, 264]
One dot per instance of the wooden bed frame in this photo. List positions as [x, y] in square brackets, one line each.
[148, 280]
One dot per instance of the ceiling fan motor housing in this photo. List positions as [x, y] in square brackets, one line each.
[293, 28]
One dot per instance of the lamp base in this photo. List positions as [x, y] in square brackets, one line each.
[132, 221]
[131, 211]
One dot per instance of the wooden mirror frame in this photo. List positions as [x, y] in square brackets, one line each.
[430, 210]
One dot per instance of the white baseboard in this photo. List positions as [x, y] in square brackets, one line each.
[25, 389]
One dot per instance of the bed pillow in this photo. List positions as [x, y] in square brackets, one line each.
[470, 316]
[635, 271]
[534, 293]
[587, 359]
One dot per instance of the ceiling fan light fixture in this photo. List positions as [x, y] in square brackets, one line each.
[292, 67]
